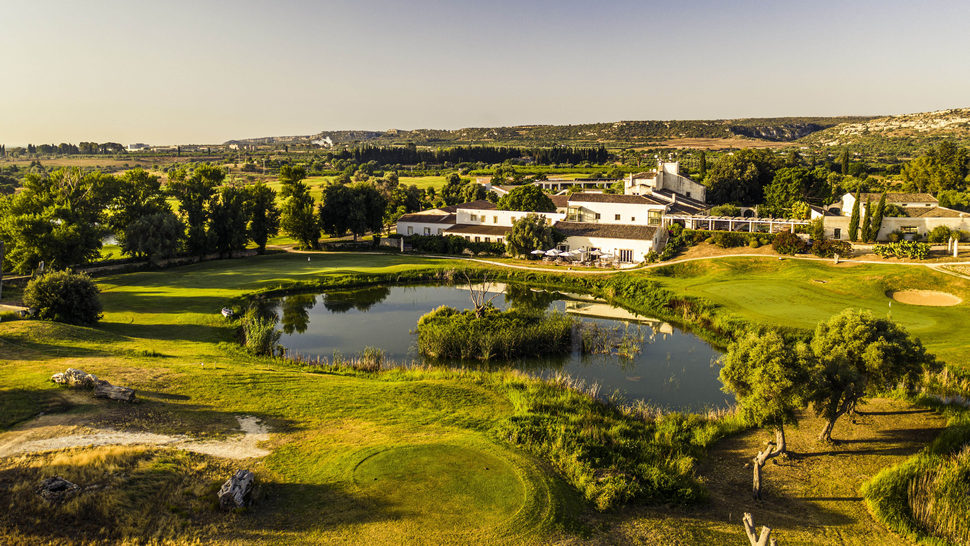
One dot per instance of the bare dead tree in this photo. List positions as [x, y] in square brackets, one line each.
[764, 539]
[480, 295]
[773, 449]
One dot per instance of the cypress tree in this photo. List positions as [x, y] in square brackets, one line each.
[877, 218]
[845, 161]
[867, 223]
[854, 220]
[703, 169]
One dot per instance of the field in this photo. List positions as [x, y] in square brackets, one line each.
[409, 456]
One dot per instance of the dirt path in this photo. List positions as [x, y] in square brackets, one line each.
[33, 440]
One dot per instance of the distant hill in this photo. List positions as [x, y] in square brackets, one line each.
[907, 133]
[621, 133]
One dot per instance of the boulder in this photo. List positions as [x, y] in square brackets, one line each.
[236, 491]
[114, 392]
[57, 489]
[75, 378]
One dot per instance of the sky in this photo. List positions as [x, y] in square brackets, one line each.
[207, 71]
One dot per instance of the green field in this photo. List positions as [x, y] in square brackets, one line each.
[407, 456]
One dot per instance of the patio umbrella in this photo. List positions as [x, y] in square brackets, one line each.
[538, 252]
[607, 256]
[595, 253]
[552, 252]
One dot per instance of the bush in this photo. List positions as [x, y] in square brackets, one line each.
[728, 239]
[788, 243]
[903, 249]
[895, 236]
[754, 243]
[828, 248]
[939, 234]
[448, 333]
[64, 296]
[452, 244]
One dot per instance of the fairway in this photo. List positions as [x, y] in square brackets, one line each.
[800, 293]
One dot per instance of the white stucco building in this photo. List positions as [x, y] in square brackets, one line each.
[921, 213]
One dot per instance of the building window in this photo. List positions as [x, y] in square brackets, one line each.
[494, 219]
[909, 230]
[688, 194]
[439, 231]
[633, 218]
[487, 240]
[478, 239]
[597, 217]
[427, 231]
[498, 239]
[410, 230]
[838, 233]
[474, 217]
[654, 217]
[626, 255]
[616, 217]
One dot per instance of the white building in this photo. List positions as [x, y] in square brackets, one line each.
[666, 177]
[922, 213]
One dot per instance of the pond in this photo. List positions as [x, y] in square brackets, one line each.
[674, 370]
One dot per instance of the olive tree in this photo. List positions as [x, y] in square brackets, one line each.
[531, 232]
[856, 354]
[767, 376]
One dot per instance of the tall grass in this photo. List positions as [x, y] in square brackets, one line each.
[927, 497]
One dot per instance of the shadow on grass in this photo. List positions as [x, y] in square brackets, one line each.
[170, 332]
[19, 405]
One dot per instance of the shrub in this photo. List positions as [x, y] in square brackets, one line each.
[64, 296]
[895, 236]
[448, 333]
[727, 239]
[788, 243]
[939, 234]
[828, 248]
[452, 244]
[754, 243]
[903, 249]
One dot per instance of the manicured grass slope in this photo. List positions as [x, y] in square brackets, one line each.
[399, 456]
[799, 294]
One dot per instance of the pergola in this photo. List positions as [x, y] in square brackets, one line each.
[712, 222]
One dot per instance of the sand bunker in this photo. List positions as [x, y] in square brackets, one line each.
[930, 298]
[242, 446]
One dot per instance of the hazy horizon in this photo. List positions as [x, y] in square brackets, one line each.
[204, 72]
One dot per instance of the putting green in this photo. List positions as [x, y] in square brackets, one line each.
[444, 486]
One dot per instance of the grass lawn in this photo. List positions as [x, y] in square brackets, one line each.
[800, 293]
[405, 456]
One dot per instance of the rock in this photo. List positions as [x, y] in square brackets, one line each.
[236, 491]
[57, 489]
[114, 392]
[75, 378]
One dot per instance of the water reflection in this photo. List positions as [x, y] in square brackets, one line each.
[673, 368]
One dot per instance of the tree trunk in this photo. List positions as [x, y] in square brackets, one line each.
[773, 450]
[844, 406]
[755, 540]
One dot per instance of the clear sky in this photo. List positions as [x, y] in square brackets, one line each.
[206, 71]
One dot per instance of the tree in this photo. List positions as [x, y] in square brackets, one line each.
[945, 167]
[877, 216]
[137, 194]
[702, 172]
[64, 296]
[726, 209]
[264, 216]
[366, 212]
[57, 218]
[451, 192]
[867, 222]
[297, 216]
[229, 217]
[740, 178]
[767, 376]
[531, 232]
[527, 198]
[854, 220]
[472, 191]
[794, 184]
[855, 355]
[334, 209]
[844, 161]
[154, 236]
[195, 195]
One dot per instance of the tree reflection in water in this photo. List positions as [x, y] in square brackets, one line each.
[361, 300]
